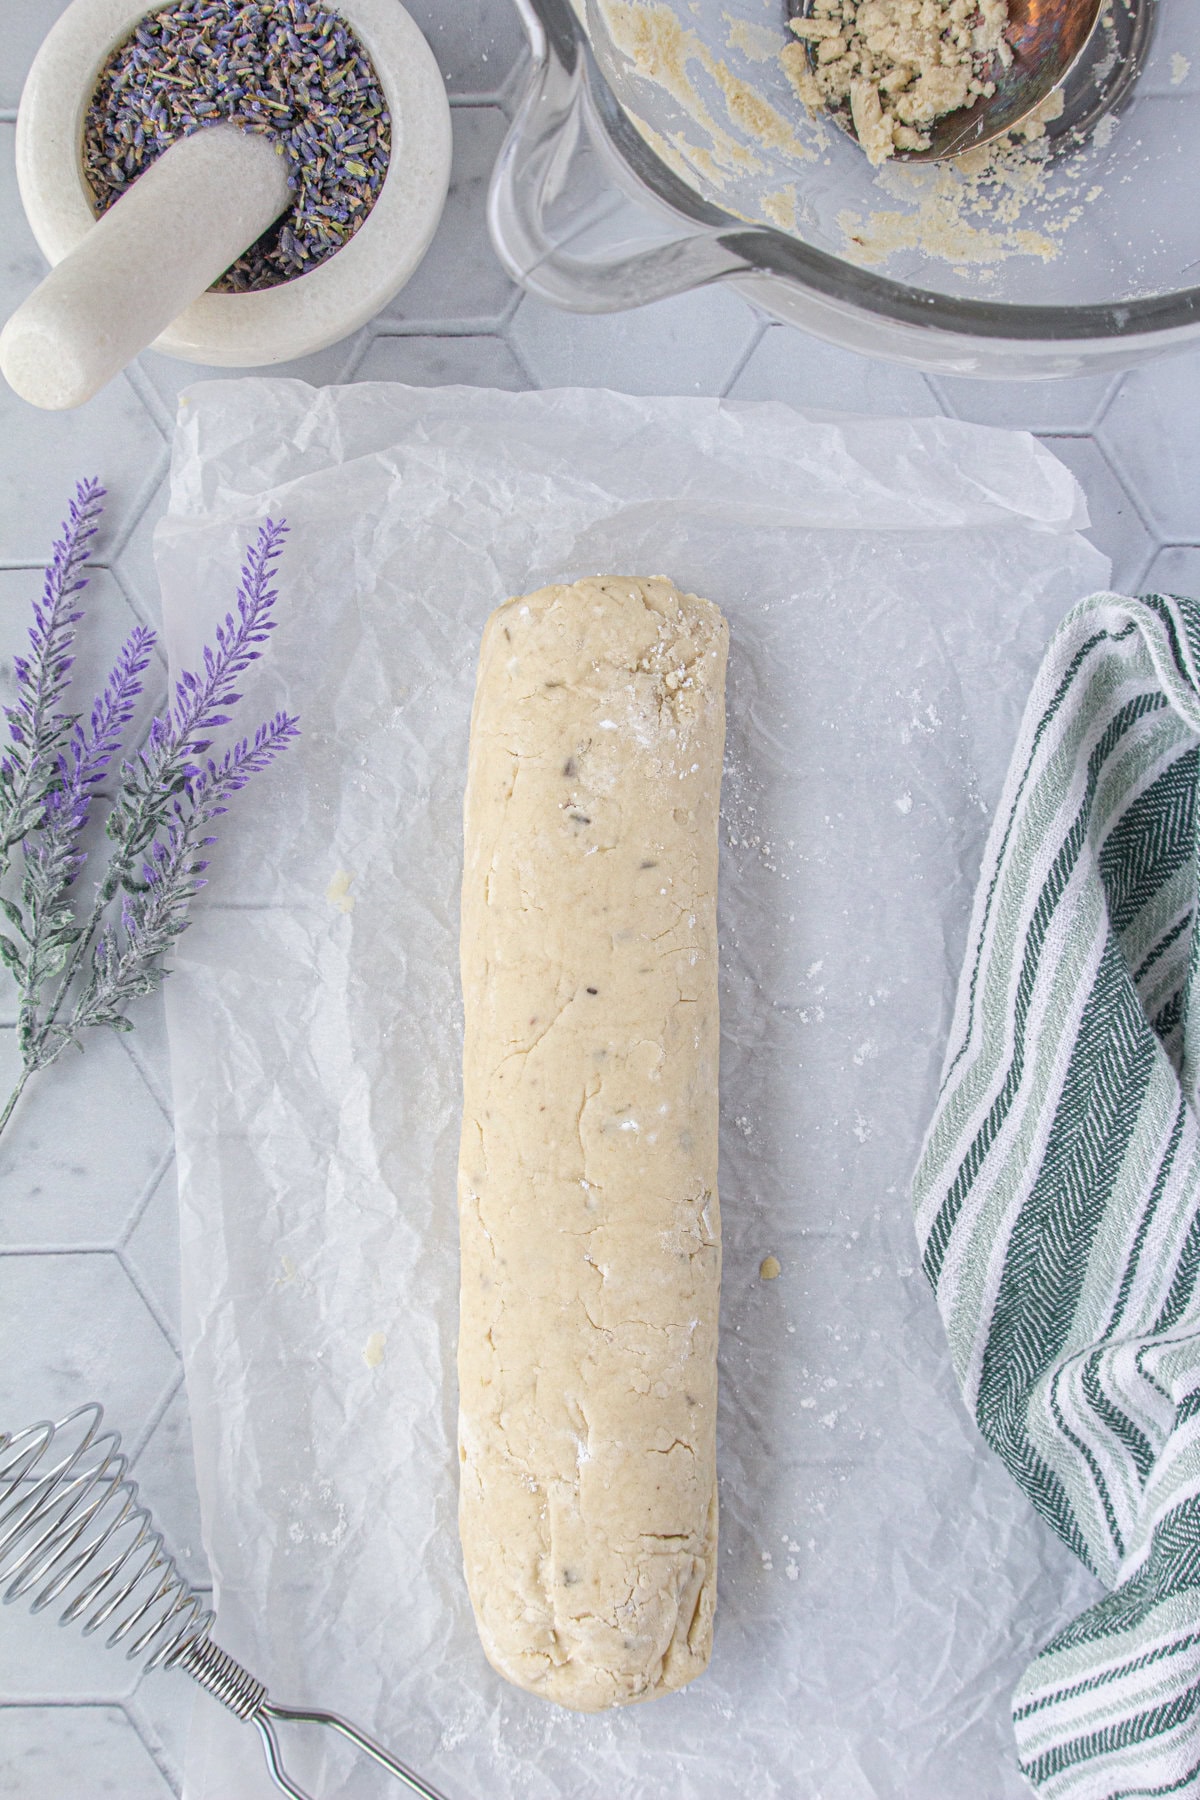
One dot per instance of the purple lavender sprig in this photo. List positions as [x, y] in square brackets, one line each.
[37, 724]
[47, 926]
[76, 972]
[203, 702]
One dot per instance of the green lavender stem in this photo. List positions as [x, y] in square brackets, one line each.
[11, 1102]
[38, 1034]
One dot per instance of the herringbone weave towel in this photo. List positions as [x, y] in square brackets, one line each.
[1058, 1195]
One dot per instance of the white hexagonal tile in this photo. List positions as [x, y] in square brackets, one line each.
[166, 1476]
[461, 277]
[1061, 406]
[75, 1329]
[83, 1145]
[476, 46]
[1150, 434]
[802, 371]
[41, 1659]
[1116, 526]
[133, 557]
[1174, 570]
[22, 264]
[150, 1248]
[168, 376]
[55, 1752]
[43, 455]
[148, 1048]
[161, 1709]
[692, 344]
[481, 361]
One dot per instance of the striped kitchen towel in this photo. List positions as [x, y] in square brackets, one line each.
[1058, 1194]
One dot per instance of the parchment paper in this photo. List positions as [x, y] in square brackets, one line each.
[890, 586]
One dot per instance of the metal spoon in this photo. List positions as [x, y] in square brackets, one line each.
[1090, 48]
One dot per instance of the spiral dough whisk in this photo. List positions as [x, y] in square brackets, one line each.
[73, 1529]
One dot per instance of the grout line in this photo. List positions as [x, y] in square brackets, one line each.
[150, 398]
[510, 310]
[360, 345]
[151, 1188]
[60, 1250]
[158, 474]
[44, 1702]
[513, 88]
[1117, 472]
[735, 374]
[518, 357]
[132, 1049]
[150, 1740]
[491, 326]
[152, 1306]
[1102, 411]
[492, 101]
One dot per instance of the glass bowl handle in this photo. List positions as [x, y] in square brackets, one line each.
[532, 174]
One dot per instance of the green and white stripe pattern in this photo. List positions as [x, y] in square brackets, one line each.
[1058, 1194]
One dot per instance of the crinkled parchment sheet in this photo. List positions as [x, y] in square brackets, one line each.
[890, 585]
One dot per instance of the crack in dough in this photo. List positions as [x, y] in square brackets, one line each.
[587, 1174]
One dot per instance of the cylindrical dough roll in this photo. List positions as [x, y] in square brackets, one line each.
[588, 1165]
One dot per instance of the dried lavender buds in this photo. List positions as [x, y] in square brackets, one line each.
[289, 68]
[897, 64]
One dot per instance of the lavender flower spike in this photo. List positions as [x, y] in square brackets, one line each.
[36, 724]
[92, 751]
[200, 702]
[42, 677]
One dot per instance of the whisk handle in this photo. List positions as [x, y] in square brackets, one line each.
[227, 1681]
[301, 1716]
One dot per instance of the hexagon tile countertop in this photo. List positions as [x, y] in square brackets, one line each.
[88, 1246]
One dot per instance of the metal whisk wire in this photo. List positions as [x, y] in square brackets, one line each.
[72, 1528]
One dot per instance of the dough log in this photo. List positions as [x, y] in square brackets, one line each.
[587, 1174]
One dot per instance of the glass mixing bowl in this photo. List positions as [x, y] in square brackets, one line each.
[659, 145]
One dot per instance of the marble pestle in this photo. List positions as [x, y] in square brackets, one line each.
[165, 241]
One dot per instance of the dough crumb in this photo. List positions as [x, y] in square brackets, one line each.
[770, 1268]
[374, 1348]
[338, 892]
[897, 65]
